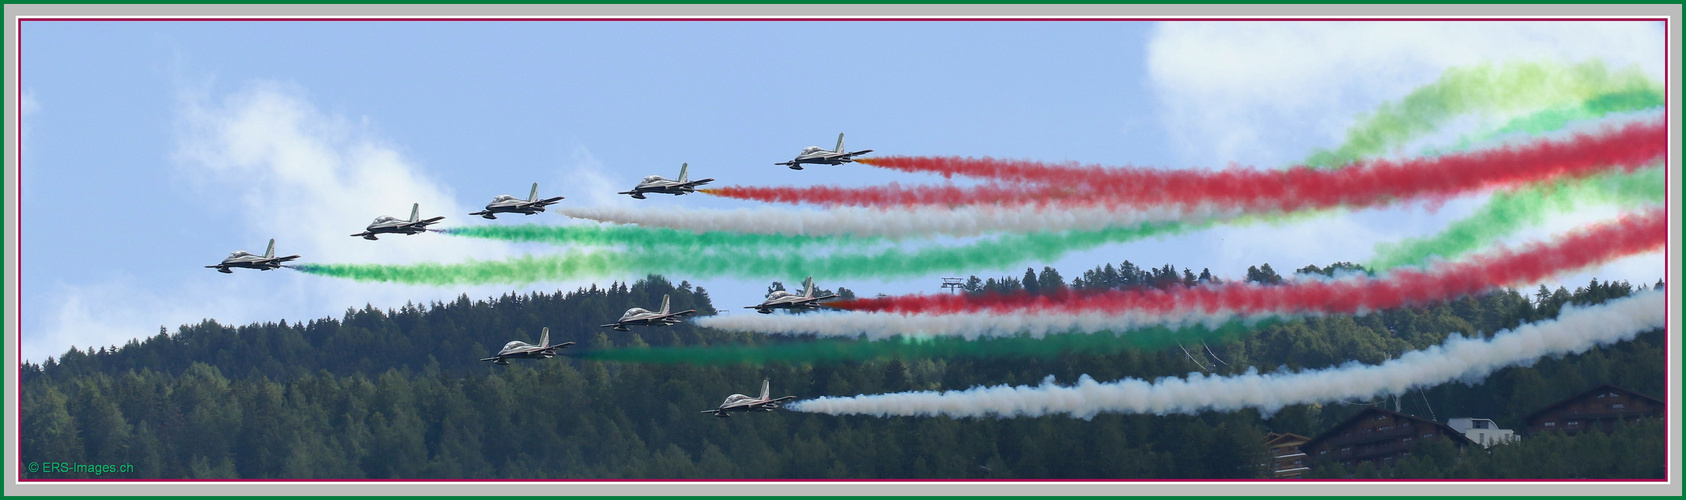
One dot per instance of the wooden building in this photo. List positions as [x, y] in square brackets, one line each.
[1287, 459]
[1599, 407]
[1378, 436]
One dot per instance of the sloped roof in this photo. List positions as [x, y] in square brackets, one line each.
[1458, 437]
[1588, 392]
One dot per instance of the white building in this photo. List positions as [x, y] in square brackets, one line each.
[1482, 431]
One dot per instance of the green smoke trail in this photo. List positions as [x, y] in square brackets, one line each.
[1486, 89]
[834, 350]
[1508, 211]
[995, 253]
[643, 237]
[1558, 117]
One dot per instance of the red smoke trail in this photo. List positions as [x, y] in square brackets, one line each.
[1628, 235]
[1628, 147]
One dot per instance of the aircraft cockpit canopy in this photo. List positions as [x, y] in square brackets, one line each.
[734, 399]
[652, 178]
[780, 294]
[513, 344]
[239, 253]
[633, 312]
[503, 197]
[810, 149]
[384, 218]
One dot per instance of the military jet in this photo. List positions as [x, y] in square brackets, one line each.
[785, 300]
[519, 349]
[817, 156]
[242, 258]
[509, 204]
[739, 402]
[663, 185]
[639, 316]
[387, 224]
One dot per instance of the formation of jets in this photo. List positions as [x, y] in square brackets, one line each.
[639, 316]
[506, 204]
[789, 301]
[519, 349]
[663, 185]
[387, 224]
[739, 402]
[242, 258]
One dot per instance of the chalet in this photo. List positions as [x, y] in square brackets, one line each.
[1378, 436]
[1599, 407]
[1287, 460]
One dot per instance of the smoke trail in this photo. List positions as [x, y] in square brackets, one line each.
[920, 222]
[832, 350]
[1486, 89]
[995, 253]
[1458, 359]
[1508, 211]
[1375, 182]
[1559, 117]
[1627, 235]
[637, 237]
[968, 326]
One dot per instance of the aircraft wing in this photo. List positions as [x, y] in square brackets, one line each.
[694, 184]
[364, 233]
[861, 152]
[610, 325]
[285, 259]
[682, 313]
[783, 399]
[548, 201]
[430, 220]
[493, 358]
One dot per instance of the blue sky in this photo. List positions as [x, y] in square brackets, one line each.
[152, 149]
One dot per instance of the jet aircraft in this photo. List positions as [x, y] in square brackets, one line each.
[739, 402]
[242, 258]
[815, 155]
[639, 316]
[663, 185]
[785, 300]
[387, 224]
[519, 349]
[509, 204]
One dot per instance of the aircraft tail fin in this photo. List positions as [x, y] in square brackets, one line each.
[270, 252]
[664, 303]
[415, 210]
[766, 388]
[840, 142]
[544, 337]
[682, 172]
[534, 194]
[808, 287]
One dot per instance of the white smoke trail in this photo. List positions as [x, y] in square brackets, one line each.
[1458, 359]
[898, 223]
[971, 326]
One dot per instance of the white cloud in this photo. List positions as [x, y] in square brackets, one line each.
[310, 179]
[1266, 92]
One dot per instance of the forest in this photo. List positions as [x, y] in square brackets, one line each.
[401, 393]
